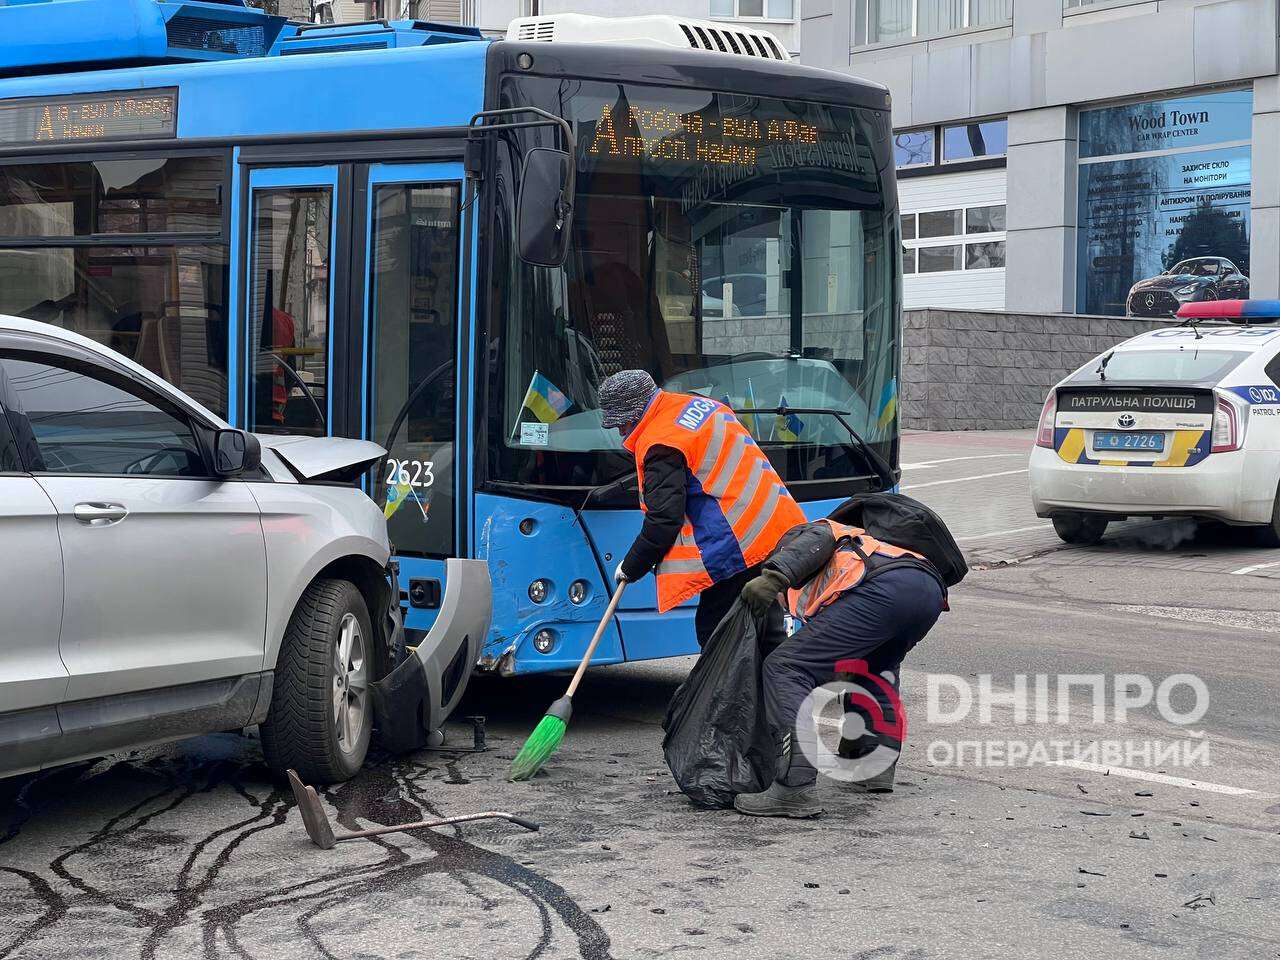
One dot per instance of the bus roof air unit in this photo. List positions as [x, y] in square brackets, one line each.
[53, 35]
[657, 31]
[374, 35]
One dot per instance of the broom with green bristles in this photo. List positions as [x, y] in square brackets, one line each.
[548, 734]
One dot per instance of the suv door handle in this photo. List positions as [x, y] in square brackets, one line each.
[99, 514]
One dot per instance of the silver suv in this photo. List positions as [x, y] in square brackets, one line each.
[163, 575]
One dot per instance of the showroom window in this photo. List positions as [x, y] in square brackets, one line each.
[960, 238]
[1163, 182]
[887, 21]
[754, 9]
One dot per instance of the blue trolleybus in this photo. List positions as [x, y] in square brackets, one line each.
[410, 233]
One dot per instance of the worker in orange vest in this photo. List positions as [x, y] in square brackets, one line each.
[859, 600]
[713, 505]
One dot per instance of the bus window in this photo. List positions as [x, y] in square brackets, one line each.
[413, 311]
[289, 310]
[145, 195]
[156, 290]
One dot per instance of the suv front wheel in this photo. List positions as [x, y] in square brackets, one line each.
[321, 715]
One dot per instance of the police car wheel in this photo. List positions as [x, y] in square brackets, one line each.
[1080, 529]
[1268, 535]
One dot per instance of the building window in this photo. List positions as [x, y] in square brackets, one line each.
[976, 140]
[938, 259]
[984, 256]
[941, 241]
[754, 9]
[913, 148]
[885, 21]
[984, 219]
[940, 223]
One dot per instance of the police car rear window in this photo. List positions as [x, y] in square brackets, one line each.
[1187, 364]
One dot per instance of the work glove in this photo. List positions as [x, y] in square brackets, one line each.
[619, 577]
[762, 593]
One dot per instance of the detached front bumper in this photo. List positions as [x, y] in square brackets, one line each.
[420, 692]
[1235, 487]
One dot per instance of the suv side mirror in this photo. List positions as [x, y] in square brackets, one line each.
[545, 210]
[235, 452]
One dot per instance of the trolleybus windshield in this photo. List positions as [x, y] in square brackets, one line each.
[734, 246]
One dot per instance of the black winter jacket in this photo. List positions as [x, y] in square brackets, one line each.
[665, 488]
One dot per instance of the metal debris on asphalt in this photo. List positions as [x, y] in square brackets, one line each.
[1139, 835]
[1200, 901]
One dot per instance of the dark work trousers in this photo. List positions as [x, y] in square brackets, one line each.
[879, 621]
[715, 601]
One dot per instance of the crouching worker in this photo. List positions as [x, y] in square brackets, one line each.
[857, 598]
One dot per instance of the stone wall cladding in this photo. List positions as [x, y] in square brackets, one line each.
[973, 370]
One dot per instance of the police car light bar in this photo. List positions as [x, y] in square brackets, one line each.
[1233, 311]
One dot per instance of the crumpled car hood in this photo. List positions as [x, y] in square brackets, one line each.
[324, 458]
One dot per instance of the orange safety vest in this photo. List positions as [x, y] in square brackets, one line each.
[736, 507]
[843, 571]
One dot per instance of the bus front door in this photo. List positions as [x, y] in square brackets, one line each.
[288, 381]
[415, 403]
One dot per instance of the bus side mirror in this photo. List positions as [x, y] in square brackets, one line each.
[545, 211]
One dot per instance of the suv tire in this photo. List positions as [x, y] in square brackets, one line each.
[321, 715]
[1080, 529]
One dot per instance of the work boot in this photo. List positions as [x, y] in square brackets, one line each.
[794, 792]
[780, 800]
[881, 783]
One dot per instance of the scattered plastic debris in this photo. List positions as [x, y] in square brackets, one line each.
[1200, 901]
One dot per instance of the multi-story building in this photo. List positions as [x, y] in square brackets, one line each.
[779, 17]
[1052, 153]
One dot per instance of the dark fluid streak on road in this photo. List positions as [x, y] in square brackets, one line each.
[386, 795]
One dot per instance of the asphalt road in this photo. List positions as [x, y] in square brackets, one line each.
[192, 851]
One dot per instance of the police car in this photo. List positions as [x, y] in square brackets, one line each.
[1180, 421]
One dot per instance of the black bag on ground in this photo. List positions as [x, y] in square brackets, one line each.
[717, 742]
[904, 522]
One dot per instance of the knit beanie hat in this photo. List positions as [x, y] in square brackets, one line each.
[623, 397]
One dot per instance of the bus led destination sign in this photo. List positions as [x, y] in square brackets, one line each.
[659, 133]
[122, 115]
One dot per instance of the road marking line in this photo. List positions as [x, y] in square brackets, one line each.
[984, 476]
[1001, 533]
[1153, 777]
[1257, 566]
[926, 464]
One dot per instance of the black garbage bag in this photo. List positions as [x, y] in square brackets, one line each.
[717, 742]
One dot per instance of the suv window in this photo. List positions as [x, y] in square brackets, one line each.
[79, 419]
[10, 462]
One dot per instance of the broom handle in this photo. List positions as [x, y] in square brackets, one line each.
[595, 641]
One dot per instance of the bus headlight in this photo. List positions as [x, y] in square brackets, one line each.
[543, 641]
[578, 592]
[538, 591]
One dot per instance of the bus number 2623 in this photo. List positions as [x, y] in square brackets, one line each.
[413, 473]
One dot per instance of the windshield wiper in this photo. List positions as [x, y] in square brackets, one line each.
[884, 472]
[1102, 367]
